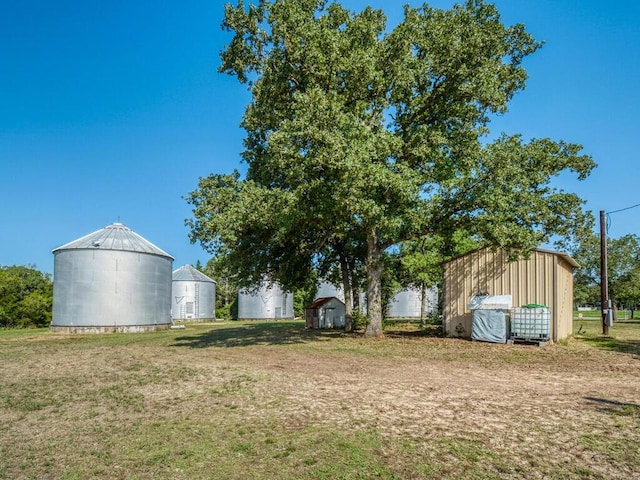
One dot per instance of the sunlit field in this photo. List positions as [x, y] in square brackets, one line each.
[274, 400]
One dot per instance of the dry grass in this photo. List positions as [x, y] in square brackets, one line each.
[272, 400]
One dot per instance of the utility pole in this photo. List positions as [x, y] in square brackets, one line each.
[604, 280]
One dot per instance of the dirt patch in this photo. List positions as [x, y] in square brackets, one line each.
[533, 405]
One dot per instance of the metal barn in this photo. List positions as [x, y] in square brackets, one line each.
[193, 295]
[407, 303]
[269, 302]
[111, 280]
[545, 278]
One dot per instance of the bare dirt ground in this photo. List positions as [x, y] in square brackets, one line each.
[572, 409]
[558, 405]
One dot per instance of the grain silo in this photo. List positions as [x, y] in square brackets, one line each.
[269, 302]
[408, 303]
[111, 280]
[327, 290]
[193, 295]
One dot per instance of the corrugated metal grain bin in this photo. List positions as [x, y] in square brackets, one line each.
[326, 290]
[269, 302]
[193, 295]
[545, 278]
[408, 303]
[111, 280]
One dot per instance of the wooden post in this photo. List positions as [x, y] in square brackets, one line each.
[604, 280]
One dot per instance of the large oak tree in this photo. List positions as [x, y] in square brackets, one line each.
[360, 137]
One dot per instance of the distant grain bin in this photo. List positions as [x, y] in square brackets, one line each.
[269, 302]
[326, 290]
[111, 280]
[193, 295]
[408, 303]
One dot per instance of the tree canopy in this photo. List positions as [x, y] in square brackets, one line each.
[26, 297]
[623, 270]
[360, 137]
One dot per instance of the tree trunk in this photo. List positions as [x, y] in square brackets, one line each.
[348, 300]
[374, 285]
[423, 303]
[355, 285]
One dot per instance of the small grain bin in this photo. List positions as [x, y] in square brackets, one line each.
[193, 295]
[268, 302]
[111, 280]
[408, 303]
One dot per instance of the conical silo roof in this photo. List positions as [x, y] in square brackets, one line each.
[188, 273]
[114, 237]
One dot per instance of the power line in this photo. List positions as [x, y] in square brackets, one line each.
[616, 211]
[623, 209]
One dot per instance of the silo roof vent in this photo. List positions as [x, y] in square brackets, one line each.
[115, 237]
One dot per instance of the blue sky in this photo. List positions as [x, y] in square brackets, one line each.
[111, 111]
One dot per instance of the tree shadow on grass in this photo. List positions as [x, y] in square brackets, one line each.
[258, 333]
[613, 344]
[615, 407]
[412, 330]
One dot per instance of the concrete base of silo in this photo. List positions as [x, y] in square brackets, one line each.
[194, 320]
[110, 329]
[270, 319]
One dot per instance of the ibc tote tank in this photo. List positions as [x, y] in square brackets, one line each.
[267, 303]
[193, 295]
[111, 280]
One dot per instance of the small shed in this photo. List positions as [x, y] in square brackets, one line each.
[325, 312]
[545, 278]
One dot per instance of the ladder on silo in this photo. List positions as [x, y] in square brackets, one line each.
[196, 305]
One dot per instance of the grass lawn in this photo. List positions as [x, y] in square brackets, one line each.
[272, 400]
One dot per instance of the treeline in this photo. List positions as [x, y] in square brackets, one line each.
[623, 262]
[26, 297]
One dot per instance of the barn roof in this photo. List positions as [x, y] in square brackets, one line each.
[565, 256]
[319, 302]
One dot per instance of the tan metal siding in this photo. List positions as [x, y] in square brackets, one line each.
[544, 278]
[565, 299]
